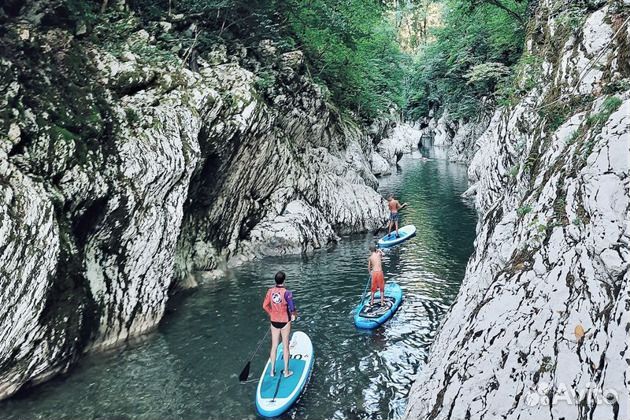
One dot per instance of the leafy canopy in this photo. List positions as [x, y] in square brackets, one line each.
[472, 53]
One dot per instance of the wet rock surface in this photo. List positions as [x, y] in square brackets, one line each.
[539, 329]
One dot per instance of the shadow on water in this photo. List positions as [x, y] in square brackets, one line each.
[188, 368]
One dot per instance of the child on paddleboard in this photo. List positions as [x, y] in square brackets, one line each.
[375, 268]
[394, 207]
[281, 309]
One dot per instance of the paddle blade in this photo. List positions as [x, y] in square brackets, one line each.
[245, 373]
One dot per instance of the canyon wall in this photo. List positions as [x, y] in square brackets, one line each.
[539, 329]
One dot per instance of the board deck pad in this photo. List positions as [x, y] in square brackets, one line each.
[375, 315]
[275, 395]
[377, 309]
[286, 385]
[406, 232]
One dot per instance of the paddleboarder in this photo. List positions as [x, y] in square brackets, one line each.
[394, 207]
[375, 268]
[279, 305]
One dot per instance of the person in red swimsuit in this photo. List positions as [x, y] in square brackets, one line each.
[375, 268]
[281, 309]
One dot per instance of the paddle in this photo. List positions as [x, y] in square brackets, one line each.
[245, 372]
[363, 295]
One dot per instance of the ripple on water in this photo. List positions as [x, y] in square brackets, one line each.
[189, 367]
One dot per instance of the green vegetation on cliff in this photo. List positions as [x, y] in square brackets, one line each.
[472, 55]
[353, 47]
[350, 46]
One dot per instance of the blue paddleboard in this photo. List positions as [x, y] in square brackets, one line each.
[406, 232]
[369, 317]
[277, 394]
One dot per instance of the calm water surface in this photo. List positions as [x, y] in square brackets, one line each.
[188, 368]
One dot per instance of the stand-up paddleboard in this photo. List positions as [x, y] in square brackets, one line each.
[276, 394]
[406, 232]
[369, 317]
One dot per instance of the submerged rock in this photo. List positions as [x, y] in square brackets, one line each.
[539, 329]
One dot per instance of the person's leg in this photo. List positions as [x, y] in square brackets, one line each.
[389, 227]
[372, 288]
[382, 288]
[397, 234]
[286, 331]
[275, 339]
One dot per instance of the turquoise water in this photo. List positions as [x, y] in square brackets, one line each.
[188, 368]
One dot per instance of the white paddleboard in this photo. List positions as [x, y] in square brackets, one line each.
[277, 394]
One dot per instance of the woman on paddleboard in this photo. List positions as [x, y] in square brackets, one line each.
[281, 309]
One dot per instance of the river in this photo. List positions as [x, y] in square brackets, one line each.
[188, 368]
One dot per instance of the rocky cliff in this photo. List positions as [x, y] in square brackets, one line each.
[453, 138]
[391, 143]
[124, 168]
[540, 327]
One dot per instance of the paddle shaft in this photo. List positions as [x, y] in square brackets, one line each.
[245, 372]
[259, 344]
[366, 288]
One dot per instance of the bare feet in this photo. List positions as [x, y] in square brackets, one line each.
[287, 373]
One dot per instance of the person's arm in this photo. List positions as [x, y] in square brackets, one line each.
[288, 296]
[402, 206]
[267, 304]
[369, 265]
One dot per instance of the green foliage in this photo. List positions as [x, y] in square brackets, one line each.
[616, 86]
[523, 210]
[555, 115]
[556, 112]
[571, 20]
[352, 48]
[349, 46]
[471, 56]
[265, 80]
[522, 78]
[486, 73]
[610, 105]
[595, 122]
[132, 116]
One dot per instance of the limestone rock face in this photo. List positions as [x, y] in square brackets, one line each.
[397, 140]
[404, 138]
[454, 139]
[120, 175]
[539, 329]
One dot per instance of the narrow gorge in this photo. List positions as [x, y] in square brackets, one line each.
[149, 150]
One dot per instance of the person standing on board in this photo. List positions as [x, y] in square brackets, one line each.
[394, 216]
[281, 309]
[375, 268]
